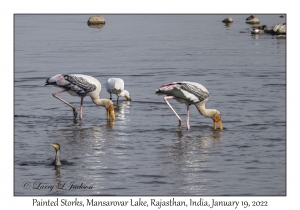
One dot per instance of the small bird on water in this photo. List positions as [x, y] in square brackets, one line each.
[57, 161]
[190, 93]
[57, 149]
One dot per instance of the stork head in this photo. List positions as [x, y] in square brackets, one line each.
[217, 119]
[110, 112]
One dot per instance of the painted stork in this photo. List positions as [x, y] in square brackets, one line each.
[81, 85]
[190, 93]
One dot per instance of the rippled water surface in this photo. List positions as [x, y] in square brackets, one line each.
[144, 152]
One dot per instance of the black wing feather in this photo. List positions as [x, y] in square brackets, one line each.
[78, 84]
[200, 94]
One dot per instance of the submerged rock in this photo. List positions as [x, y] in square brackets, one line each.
[96, 20]
[252, 20]
[281, 36]
[228, 20]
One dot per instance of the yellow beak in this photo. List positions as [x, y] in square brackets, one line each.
[54, 145]
[218, 120]
[220, 124]
[128, 98]
[110, 111]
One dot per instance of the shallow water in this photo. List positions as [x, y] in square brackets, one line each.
[144, 152]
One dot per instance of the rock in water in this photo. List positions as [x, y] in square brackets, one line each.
[96, 20]
[252, 20]
[228, 20]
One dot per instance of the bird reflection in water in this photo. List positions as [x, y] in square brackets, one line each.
[210, 136]
[122, 109]
[214, 135]
[110, 125]
[179, 132]
[57, 171]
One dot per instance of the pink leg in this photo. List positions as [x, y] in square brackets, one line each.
[188, 117]
[73, 107]
[81, 103]
[166, 100]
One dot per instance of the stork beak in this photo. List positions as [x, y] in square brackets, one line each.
[218, 120]
[220, 124]
[110, 112]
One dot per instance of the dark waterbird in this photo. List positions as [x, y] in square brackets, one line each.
[57, 161]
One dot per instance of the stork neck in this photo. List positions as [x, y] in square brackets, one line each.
[206, 112]
[102, 102]
[57, 161]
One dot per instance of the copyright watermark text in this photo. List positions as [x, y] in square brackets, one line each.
[62, 185]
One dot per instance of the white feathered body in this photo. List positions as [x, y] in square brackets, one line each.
[185, 92]
[115, 86]
[190, 93]
[76, 84]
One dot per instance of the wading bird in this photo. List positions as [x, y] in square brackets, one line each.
[190, 93]
[81, 85]
[116, 86]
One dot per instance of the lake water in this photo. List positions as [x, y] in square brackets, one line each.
[143, 152]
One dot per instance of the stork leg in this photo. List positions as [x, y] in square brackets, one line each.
[166, 100]
[81, 103]
[188, 116]
[110, 96]
[118, 100]
[73, 107]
